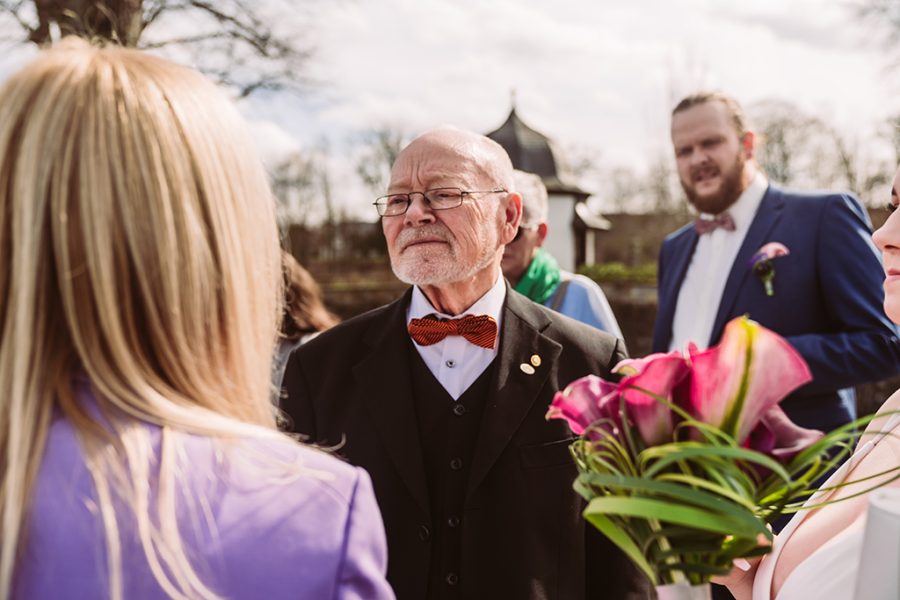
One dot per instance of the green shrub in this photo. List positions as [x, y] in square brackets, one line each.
[617, 272]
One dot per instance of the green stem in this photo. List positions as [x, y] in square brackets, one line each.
[676, 576]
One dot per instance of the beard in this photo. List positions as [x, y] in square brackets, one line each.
[730, 189]
[439, 264]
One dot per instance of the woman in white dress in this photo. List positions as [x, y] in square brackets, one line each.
[817, 554]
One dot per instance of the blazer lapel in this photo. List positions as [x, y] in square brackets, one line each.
[767, 215]
[514, 390]
[682, 251]
[384, 380]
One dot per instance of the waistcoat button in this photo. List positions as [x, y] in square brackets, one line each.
[424, 533]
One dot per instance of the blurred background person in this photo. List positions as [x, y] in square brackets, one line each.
[305, 315]
[140, 293]
[534, 273]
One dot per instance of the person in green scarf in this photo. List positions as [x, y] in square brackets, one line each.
[534, 273]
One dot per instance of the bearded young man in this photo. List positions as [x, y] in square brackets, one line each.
[441, 396]
[825, 296]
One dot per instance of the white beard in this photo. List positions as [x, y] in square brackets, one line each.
[440, 264]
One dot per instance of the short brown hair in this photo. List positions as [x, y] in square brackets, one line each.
[731, 105]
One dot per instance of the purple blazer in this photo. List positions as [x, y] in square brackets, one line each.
[317, 536]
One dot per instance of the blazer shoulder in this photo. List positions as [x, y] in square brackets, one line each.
[815, 198]
[677, 236]
[822, 205]
[575, 337]
[351, 329]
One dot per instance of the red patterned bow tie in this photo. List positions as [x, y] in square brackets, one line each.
[480, 330]
[722, 220]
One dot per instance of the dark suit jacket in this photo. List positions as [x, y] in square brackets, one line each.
[827, 303]
[522, 531]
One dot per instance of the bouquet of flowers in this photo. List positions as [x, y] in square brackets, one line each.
[686, 459]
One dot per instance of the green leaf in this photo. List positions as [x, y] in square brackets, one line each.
[665, 455]
[618, 537]
[712, 486]
[672, 513]
[744, 511]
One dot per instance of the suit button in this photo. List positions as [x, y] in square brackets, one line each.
[452, 579]
[459, 410]
[456, 464]
[424, 533]
[453, 521]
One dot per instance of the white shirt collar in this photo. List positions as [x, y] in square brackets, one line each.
[490, 304]
[744, 209]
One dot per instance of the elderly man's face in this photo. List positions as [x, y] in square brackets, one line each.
[518, 254]
[438, 247]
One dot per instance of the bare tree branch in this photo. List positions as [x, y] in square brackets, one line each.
[229, 40]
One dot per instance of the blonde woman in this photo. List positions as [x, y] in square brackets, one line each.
[139, 302]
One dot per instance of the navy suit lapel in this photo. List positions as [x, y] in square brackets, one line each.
[767, 215]
[513, 391]
[383, 378]
[682, 249]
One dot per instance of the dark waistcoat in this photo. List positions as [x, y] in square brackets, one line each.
[448, 430]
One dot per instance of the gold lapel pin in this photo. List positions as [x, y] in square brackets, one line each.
[527, 369]
[535, 360]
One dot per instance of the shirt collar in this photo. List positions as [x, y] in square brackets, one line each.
[490, 304]
[744, 209]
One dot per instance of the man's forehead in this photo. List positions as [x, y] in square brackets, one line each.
[709, 116]
[434, 162]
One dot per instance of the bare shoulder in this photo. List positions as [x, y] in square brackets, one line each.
[888, 410]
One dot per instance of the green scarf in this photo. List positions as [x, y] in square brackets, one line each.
[540, 279]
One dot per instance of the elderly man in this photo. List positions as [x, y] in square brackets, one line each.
[534, 273]
[825, 295]
[441, 396]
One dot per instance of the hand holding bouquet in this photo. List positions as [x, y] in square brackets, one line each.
[687, 459]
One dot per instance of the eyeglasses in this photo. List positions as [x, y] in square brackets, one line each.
[394, 205]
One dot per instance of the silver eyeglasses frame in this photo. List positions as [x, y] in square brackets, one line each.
[442, 198]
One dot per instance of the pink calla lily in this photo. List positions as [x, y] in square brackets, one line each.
[779, 437]
[734, 383]
[659, 374]
[585, 401]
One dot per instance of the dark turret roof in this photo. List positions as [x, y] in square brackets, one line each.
[533, 152]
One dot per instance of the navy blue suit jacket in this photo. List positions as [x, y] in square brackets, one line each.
[827, 302]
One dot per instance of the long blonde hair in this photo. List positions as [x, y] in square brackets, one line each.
[138, 250]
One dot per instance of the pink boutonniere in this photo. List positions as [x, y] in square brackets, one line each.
[761, 263]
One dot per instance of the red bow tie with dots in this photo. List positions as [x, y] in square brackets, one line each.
[480, 330]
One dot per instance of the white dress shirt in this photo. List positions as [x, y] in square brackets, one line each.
[455, 362]
[704, 282]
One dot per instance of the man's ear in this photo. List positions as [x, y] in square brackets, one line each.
[513, 216]
[542, 234]
[748, 143]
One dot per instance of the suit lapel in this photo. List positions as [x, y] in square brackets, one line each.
[513, 391]
[767, 215]
[682, 251]
[384, 380]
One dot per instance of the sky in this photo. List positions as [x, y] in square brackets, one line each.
[596, 76]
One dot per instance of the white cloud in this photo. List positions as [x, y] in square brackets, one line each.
[588, 73]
